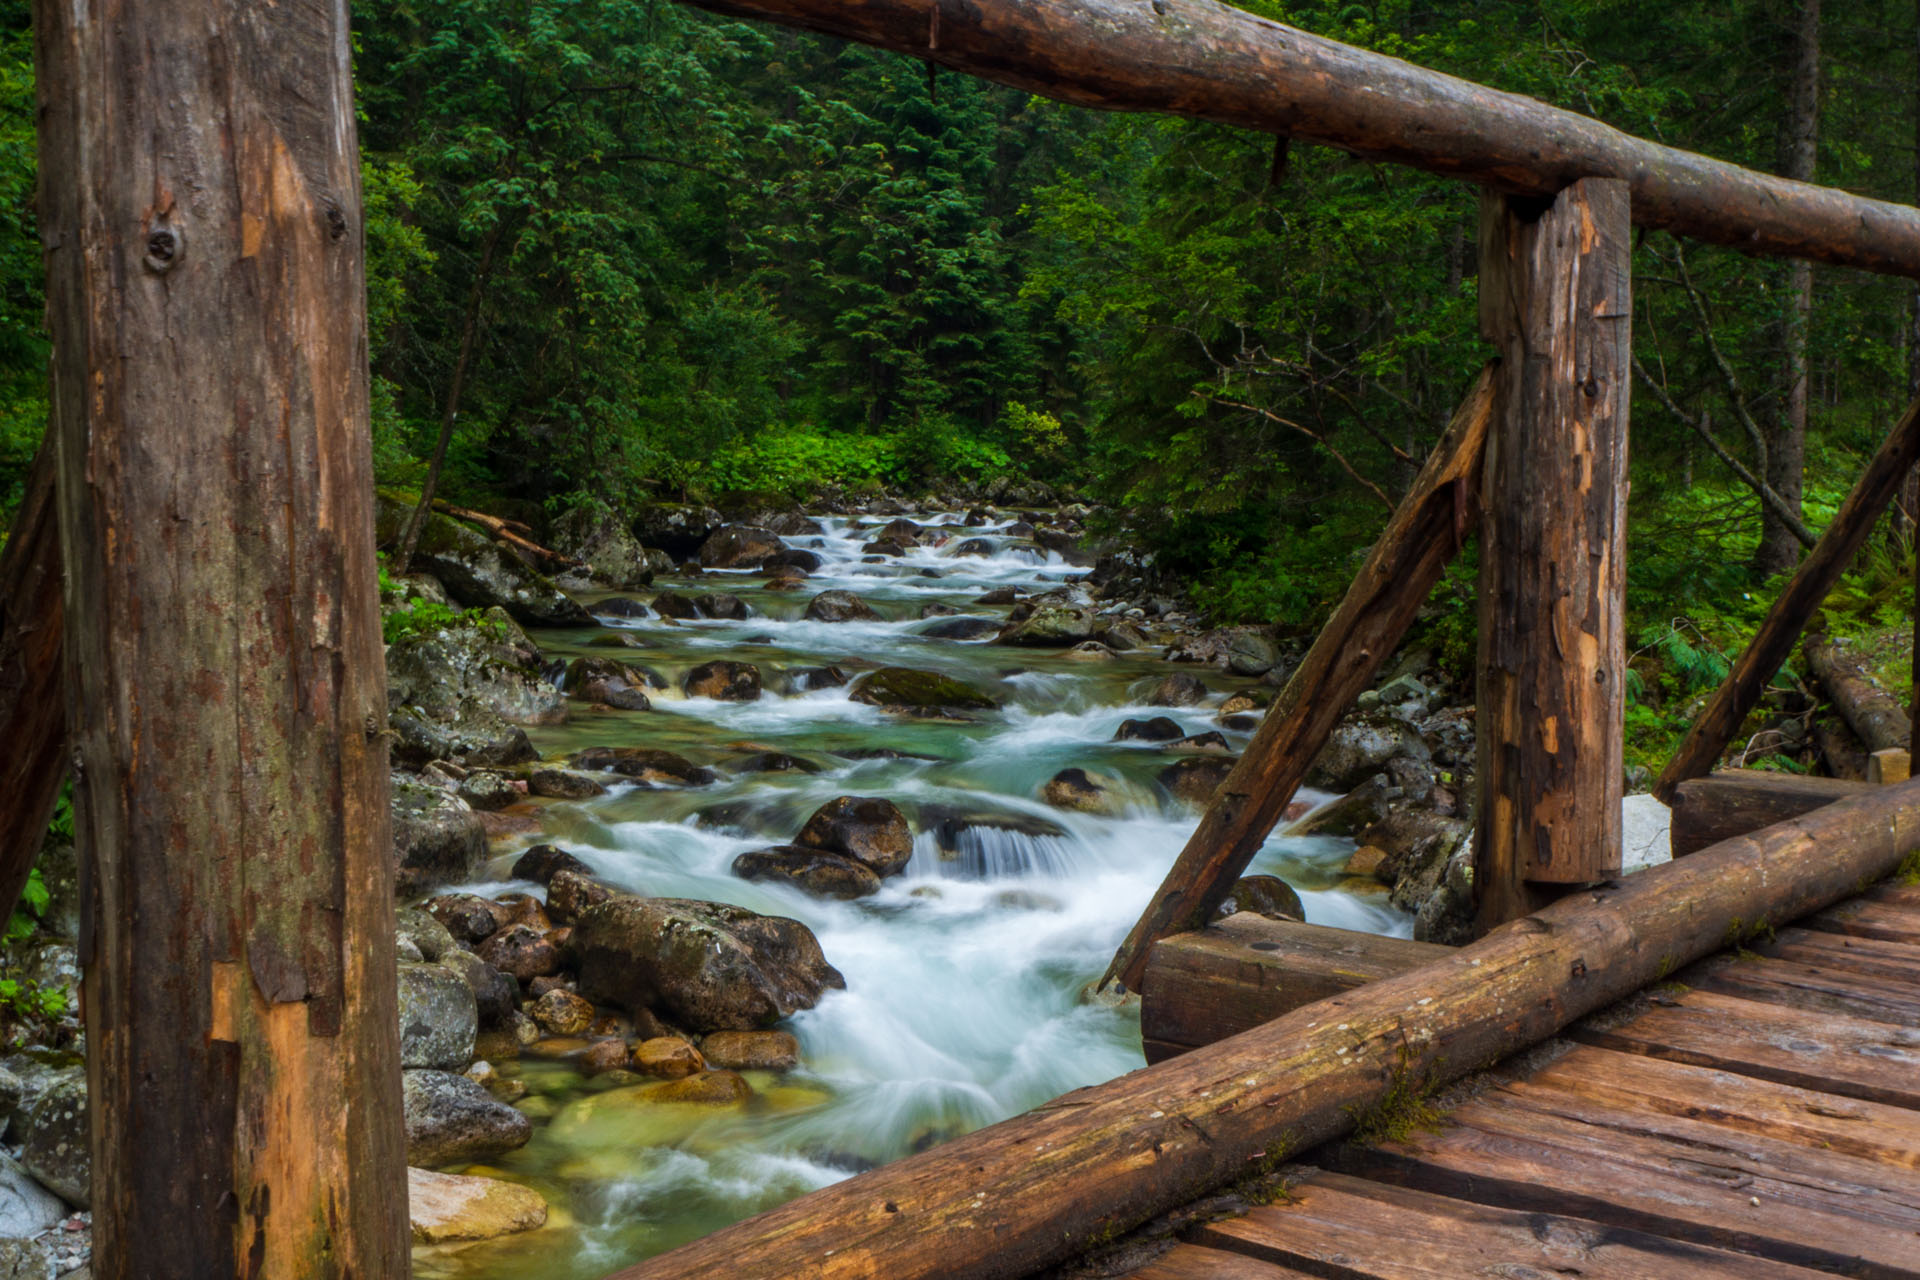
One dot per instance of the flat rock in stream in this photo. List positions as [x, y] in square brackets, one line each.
[705, 966]
[445, 1207]
[814, 871]
[647, 764]
[905, 689]
[839, 606]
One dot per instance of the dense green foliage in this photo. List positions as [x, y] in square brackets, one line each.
[661, 253]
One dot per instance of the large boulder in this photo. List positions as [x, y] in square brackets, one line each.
[1176, 690]
[437, 837]
[675, 527]
[439, 1017]
[723, 681]
[905, 689]
[735, 546]
[478, 737]
[871, 831]
[26, 1207]
[705, 966]
[453, 1120]
[456, 692]
[55, 1139]
[603, 542]
[1361, 746]
[1051, 624]
[1194, 780]
[445, 1207]
[839, 606]
[476, 571]
[814, 871]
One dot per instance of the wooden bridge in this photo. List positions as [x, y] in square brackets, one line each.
[1745, 1115]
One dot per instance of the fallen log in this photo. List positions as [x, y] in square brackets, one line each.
[1212, 62]
[1048, 1184]
[1734, 802]
[1438, 512]
[1794, 606]
[33, 706]
[1873, 714]
[1216, 982]
[512, 532]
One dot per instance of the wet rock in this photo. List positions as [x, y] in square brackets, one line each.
[937, 610]
[903, 531]
[999, 595]
[437, 838]
[736, 546]
[839, 606]
[667, 1058]
[451, 1120]
[34, 1260]
[962, 628]
[814, 871]
[543, 861]
[1176, 690]
[522, 952]
[974, 547]
[445, 1207]
[723, 681]
[671, 604]
[476, 571]
[496, 996]
[804, 678]
[1364, 805]
[1195, 780]
[487, 792]
[752, 1050]
[604, 544]
[1360, 746]
[431, 938]
[1201, 742]
[1371, 861]
[1248, 653]
[603, 1056]
[570, 892]
[1268, 896]
[1247, 700]
[721, 605]
[703, 965]
[772, 762]
[562, 1013]
[883, 548]
[467, 916]
[1445, 915]
[871, 831]
[647, 764]
[909, 690]
[786, 578]
[439, 1017]
[798, 559]
[1158, 729]
[677, 528]
[1051, 624]
[709, 1088]
[26, 1208]
[563, 784]
[1081, 792]
[55, 1138]
[620, 607]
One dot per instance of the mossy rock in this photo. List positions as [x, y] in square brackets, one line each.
[907, 689]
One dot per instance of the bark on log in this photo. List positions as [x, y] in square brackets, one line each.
[1737, 801]
[1212, 62]
[200, 212]
[33, 708]
[1229, 977]
[1087, 1166]
[1771, 644]
[1439, 511]
[1556, 300]
[511, 532]
[1875, 716]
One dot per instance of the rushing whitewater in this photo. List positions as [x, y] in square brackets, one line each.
[965, 974]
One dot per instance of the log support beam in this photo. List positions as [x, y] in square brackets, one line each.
[200, 215]
[1439, 511]
[1852, 525]
[1555, 299]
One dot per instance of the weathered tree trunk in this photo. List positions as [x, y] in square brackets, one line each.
[200, 209]
[1212, 62]
[1010, 1199]
[1852, 526]
[1875, 715]
[1735, 802]
[1423, 535]
[1556, 299]
[33, 711]
[1779, 550]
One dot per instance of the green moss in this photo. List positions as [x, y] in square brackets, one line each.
[918, 690]
[1404, 1109]
[1908, 871]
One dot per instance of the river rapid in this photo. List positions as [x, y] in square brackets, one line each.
[964, 974]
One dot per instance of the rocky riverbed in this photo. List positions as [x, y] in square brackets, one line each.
[792, 845]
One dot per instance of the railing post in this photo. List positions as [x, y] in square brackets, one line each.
[1555, 298]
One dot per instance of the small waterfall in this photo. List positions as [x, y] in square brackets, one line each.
[963, 847]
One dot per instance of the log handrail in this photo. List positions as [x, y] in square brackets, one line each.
[1209, 61]
[1023, 1194]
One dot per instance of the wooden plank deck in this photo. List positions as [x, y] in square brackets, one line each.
[1757, 1117]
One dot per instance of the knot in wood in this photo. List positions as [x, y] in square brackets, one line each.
[336, 222]
[164, 244]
